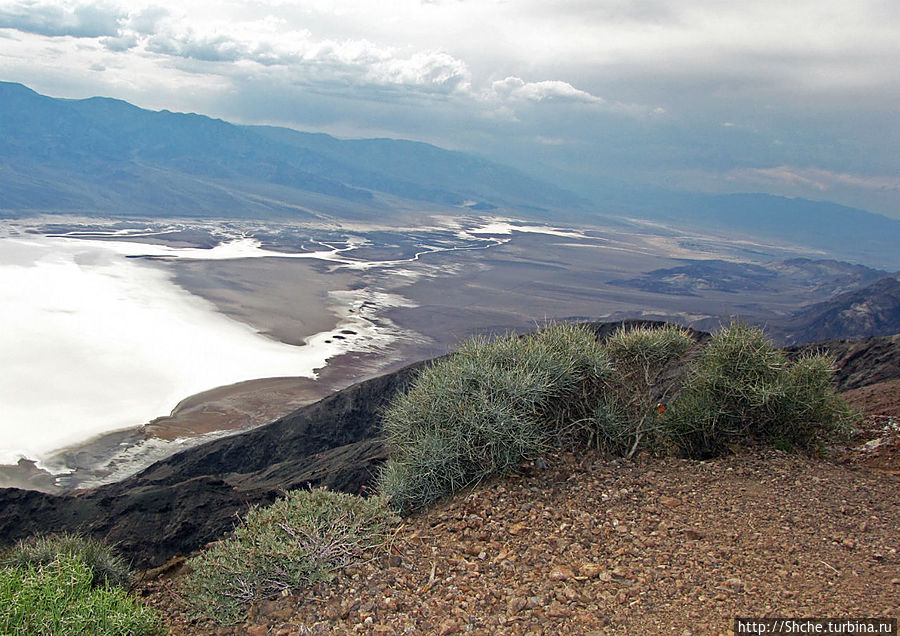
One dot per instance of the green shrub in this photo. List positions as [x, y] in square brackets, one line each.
[630, 410]
[741, 387]
[59, 597]
[299, 540]
[107, 567]
[484, 409]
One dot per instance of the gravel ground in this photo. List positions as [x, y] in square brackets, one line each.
[582, 545]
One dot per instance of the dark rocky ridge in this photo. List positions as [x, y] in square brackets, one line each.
[871, 311]
[187, 500]
[860, 362]
[182, 502]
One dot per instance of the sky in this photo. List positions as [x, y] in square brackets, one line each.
[798, 98]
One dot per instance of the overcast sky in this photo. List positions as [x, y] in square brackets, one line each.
[797, 97]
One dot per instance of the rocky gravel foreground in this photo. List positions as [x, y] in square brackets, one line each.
[585, 545]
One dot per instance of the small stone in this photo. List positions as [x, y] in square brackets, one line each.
[518, 528]
[556, 610]
[735, 585]
[589, 570]
[670, 502]
[449, 627]
[561, 573]
[693, 535]
[516, 604]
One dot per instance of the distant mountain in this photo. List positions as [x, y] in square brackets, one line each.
[870, 311]
[823, 277]
[106, 156]
[840, 231]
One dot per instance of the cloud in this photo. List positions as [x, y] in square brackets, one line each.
[45, 18]
[516, 88]
[348, 62]
[816, 178]
[147, 20]
[203, 47]
[640, 90]
[121, 42]
[436, 70]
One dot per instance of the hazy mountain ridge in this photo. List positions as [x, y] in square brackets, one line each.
[863, 313]
[826, 276]
[847, 233]
[105, 155]
[102, 156]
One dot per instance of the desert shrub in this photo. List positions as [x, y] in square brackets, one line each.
[59, 597]
[107, 567]
[741, 387]
[630, 409]
[301, 539]
[484, 409]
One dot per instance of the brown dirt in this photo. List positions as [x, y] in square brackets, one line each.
[589, 545]
[237, 406]
[882, 398]
[876, 444]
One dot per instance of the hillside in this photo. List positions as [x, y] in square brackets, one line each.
[105, 156]
[849, 233]
[565, 544]
[584, 545]
[191, 498]
[871, 311]
[693, 277]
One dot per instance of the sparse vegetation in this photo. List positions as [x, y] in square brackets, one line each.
[60, 597]
[742, 387]
[474, 414]
[106, 566]
[482, 410]
[631, 409]
[301, 539]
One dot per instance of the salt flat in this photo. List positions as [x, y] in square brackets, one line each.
[112, 325]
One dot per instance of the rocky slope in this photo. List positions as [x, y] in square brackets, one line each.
[584, 545]
[859, 363]
[871, 311]
[191, 498]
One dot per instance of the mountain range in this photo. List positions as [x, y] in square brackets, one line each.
[103, 156]
[106, 156]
